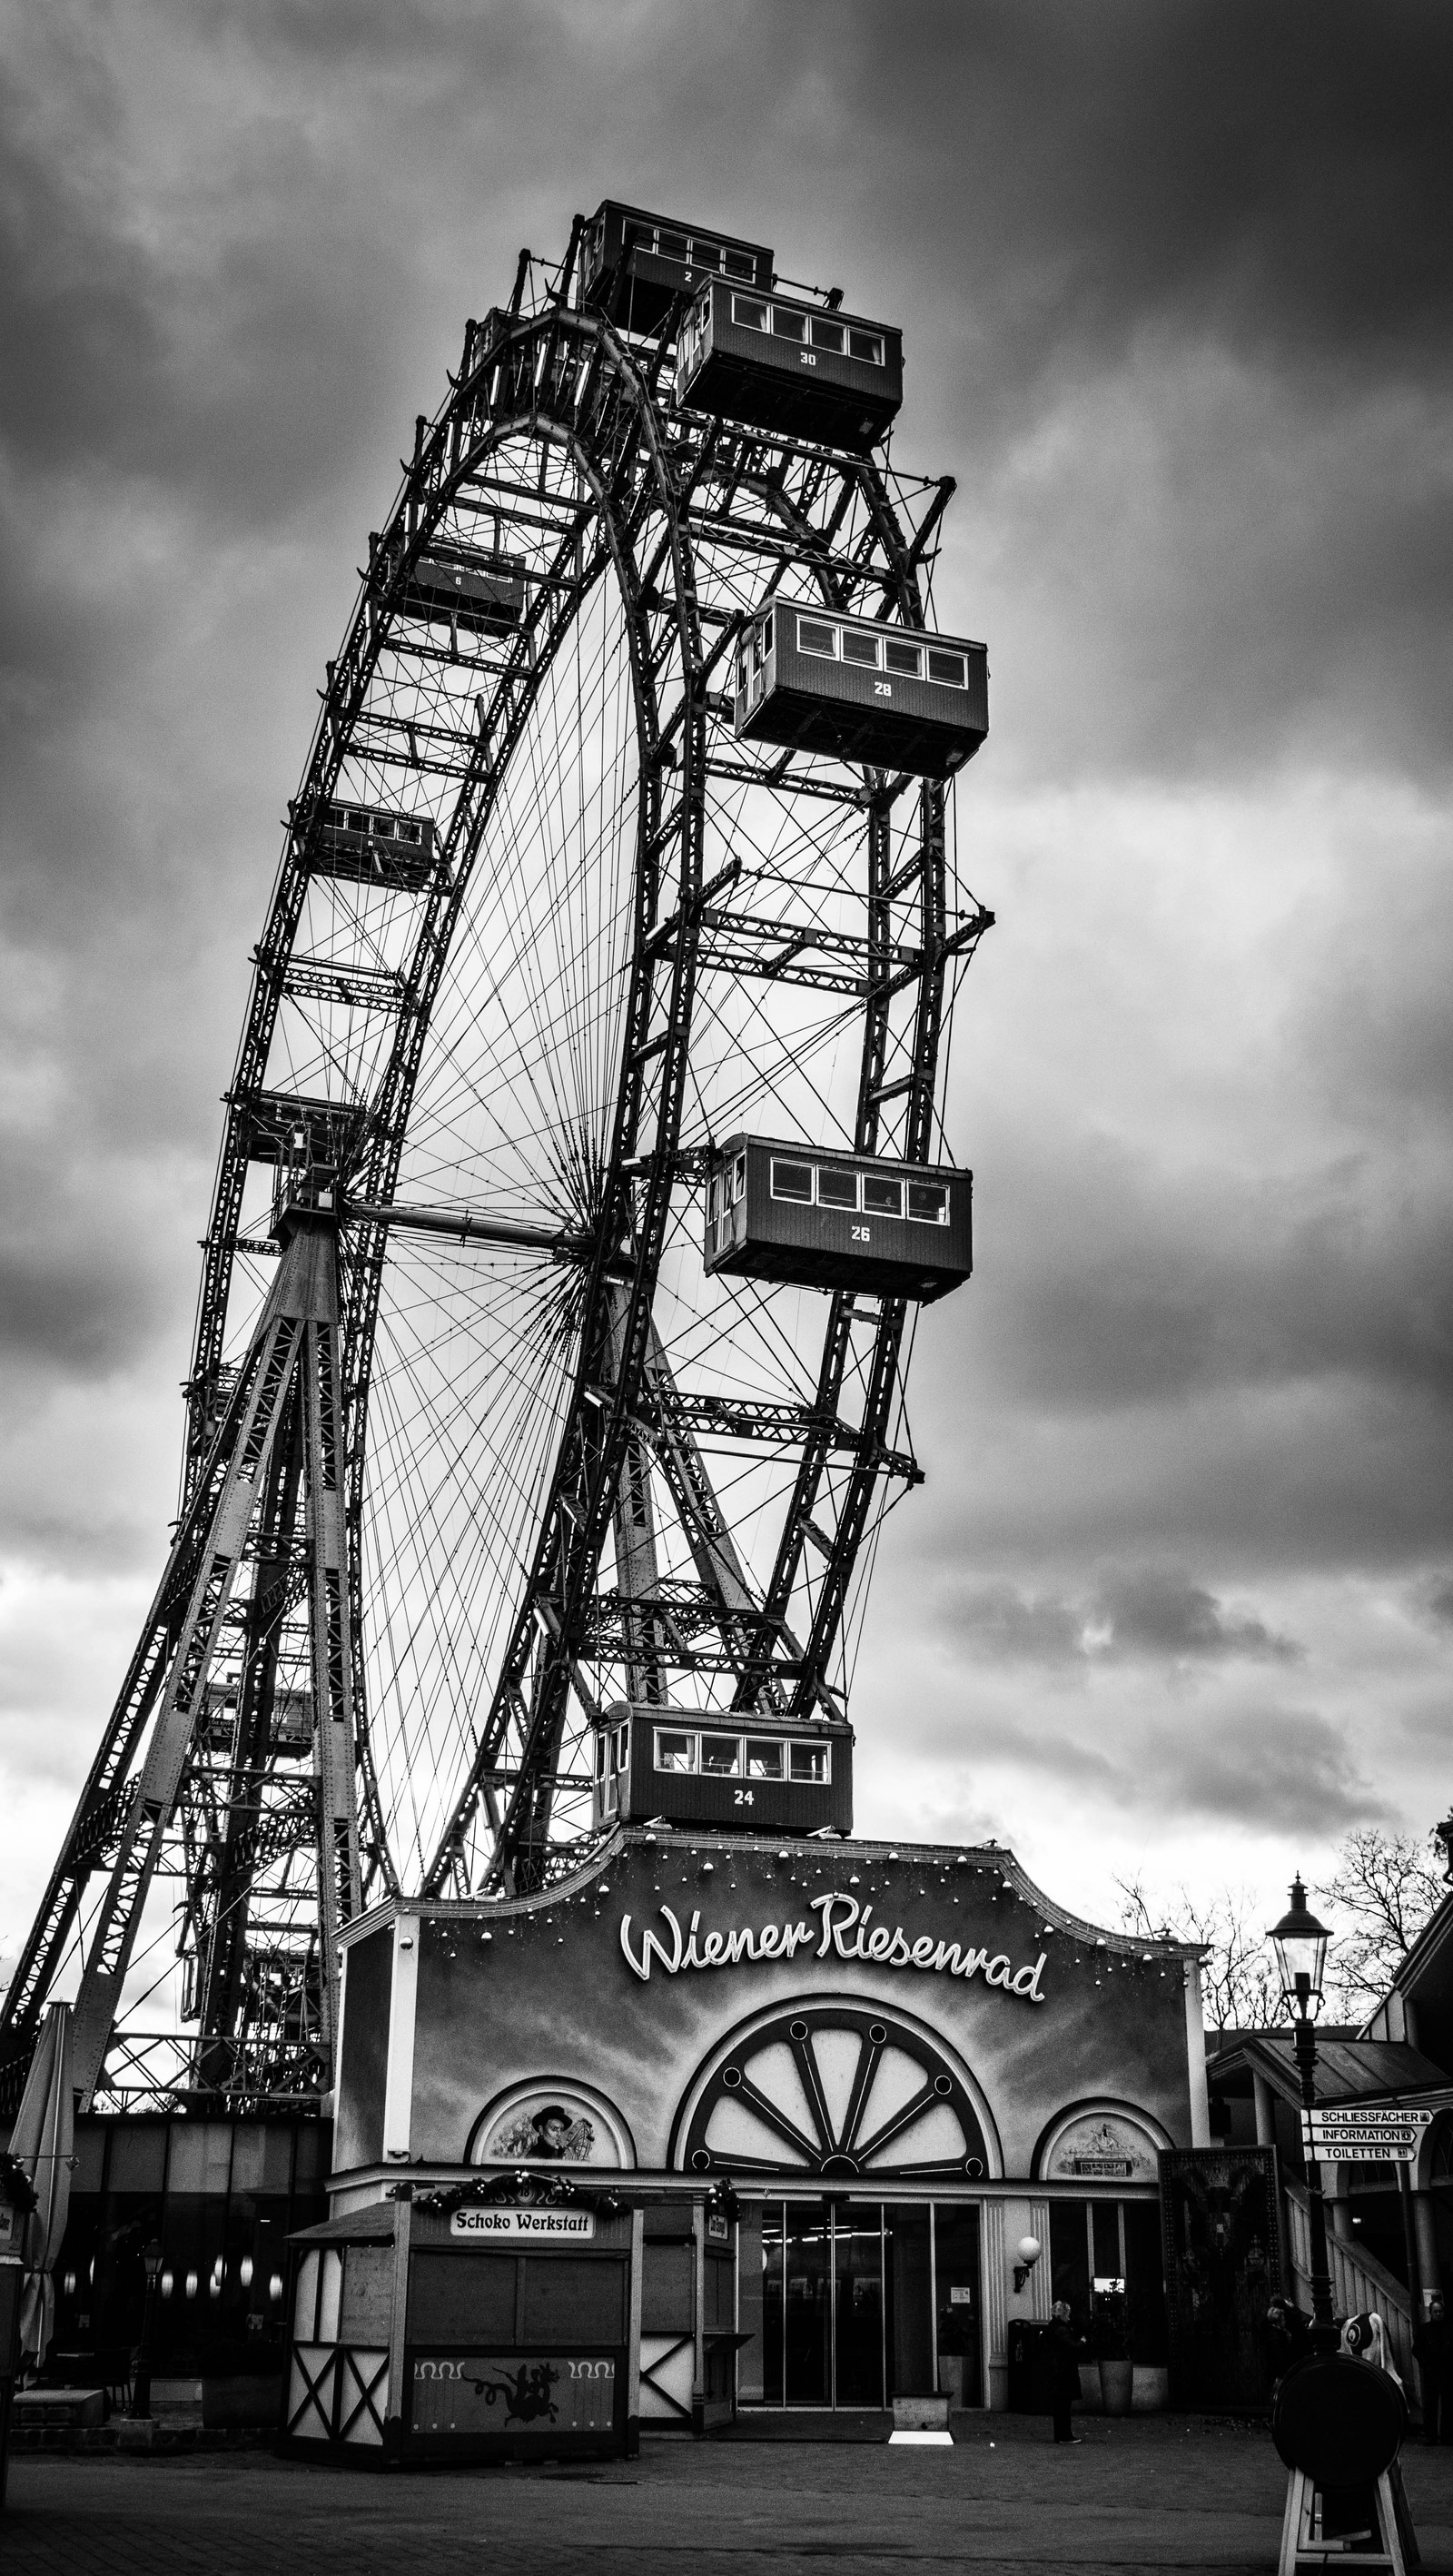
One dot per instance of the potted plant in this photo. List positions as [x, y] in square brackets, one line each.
[1112, 2352]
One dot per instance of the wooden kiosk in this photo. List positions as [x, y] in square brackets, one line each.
[484, 2320]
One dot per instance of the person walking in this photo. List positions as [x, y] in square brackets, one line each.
[1433, 2352]
[1064, 2365]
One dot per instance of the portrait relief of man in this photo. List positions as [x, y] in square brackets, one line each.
[553, 2134]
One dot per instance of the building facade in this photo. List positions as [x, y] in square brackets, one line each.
[840, 2082]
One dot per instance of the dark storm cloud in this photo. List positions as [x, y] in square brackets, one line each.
[1151, 1613]
[1268, 1769]
[1186, 1283]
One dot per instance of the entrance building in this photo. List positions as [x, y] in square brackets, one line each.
[833, 2085]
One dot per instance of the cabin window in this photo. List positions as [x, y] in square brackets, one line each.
[766, 1758]
[810, 1762]
[383, 827]
[813, 638]
[946, 667]
[711, 1199]
[675, 1752]
[623, 1746]
[737, 264]
[751, 315]
[787, 325]
[408, 831]
[902, 657]
[704, 254]
[837, 1189]
[792, 1181]
[721, 1756]
[671, 245]
[638, 237]
[357, 822]
[880, 1197]
[600, 1751]
[867, 346]
[827, 335]
[765, 630]
[927, 1203]
[860, 648]
[739, 1188]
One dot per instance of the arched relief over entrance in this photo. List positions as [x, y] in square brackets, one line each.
[835, 2090]
[551, 2120]
[1099, 2140]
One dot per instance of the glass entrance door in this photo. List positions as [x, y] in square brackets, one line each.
[822, 2304]
[857, 2273]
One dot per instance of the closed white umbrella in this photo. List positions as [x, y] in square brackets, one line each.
[43, 2144]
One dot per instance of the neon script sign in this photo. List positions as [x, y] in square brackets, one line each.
[844, 1930]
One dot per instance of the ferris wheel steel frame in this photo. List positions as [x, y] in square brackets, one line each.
[662, 490]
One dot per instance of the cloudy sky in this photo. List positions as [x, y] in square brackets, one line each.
[1175, 281]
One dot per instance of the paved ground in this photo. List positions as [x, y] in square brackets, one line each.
[1138, 2495]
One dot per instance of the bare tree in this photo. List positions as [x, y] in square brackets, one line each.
[1238, 1988]
[1384, 1889]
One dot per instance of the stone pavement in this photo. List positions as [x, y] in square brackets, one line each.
[1149, 2494]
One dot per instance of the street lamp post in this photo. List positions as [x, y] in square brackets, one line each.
[1300, 1943]
[140, 2405]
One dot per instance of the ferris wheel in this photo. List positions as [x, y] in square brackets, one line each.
[624, 853]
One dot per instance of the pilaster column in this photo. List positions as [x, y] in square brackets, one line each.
[996, 2353]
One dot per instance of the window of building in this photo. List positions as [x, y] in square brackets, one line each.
[792, 1181]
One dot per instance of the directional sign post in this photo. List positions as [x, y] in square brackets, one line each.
[1347, 2137]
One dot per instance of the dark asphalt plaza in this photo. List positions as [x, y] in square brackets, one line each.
[1132, 2496]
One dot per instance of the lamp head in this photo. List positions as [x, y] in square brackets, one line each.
[151, 2257]
[1443, 1836]
[1300, 1943]
[1026, 2255]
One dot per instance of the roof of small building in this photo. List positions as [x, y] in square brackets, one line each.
[371, 2224]
[1347, 2070]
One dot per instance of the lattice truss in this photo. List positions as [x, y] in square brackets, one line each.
[541, 930]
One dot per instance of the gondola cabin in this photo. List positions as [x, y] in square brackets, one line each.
[836, 1220]
[476, 594]
[766, 1774]
[369, 844]
[861, 691]
[788, 366]
[633, 264]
